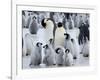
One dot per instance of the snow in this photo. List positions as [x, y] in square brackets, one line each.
[83, 61]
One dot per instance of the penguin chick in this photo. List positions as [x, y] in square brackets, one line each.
[68, 58]
[59, 56]
[49, 58]
[36, 55]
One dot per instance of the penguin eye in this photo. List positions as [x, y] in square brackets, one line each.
[41, 43]
[72, 40]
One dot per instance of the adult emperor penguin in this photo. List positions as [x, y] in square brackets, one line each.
[59, 35]
[48, 26]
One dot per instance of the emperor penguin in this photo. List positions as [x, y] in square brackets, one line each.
[68, 58]
[48, 27]
[33, 26]
[68, 44]
[36, 55]
[76, 48]
[29, 41]
[85, 49]
[59, 55]
[49, 58]
[59, 35]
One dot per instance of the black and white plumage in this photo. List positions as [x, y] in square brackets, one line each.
[84, 33]
[68, 58]
[48, 27]
[69, 44]
[76, 48]
[59, 35]
[36, 55]
[46, 34]
[49, 58]
[33, 27]
[59, 56]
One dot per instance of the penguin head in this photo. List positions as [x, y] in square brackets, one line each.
[46, 46]
[43, 23]
[46, 22]
[67, 36]
[38, 44]
[82, 24]
[60, 24]
[67, 51]
[58, 50]
[34, 17]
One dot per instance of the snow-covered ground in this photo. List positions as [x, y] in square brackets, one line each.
[83, 61]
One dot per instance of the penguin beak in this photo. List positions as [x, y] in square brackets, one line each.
[41, 44]
[43, 23]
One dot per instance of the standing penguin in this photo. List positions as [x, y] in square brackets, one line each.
[69, 44]
[48, 26]
[28, 20]
[36, 55]
[33, 27]
[59, 56]
[59, 35]
[28, 41]
[68, 58]
[49, 58]
[85, 50]
[76, 48]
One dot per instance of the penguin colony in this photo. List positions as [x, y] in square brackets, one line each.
[54, 39]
